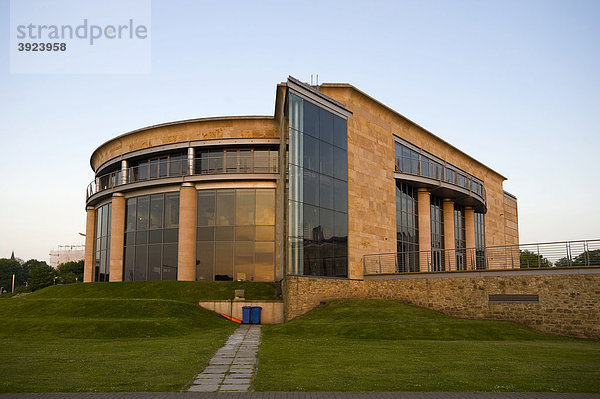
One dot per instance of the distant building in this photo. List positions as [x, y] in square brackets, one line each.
[332, 176]
[67, 253]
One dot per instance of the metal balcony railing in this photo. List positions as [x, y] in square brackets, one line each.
[548, 254]
[160, 169]
[441, 172]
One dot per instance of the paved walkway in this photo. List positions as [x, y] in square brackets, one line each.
[232, 367]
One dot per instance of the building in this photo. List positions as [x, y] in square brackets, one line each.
[67, 253]
[331, 178]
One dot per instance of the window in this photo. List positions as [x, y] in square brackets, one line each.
[174, 164]
[151, 237]
[437, 235]
[102, 255]
[237, 160]
[480, 260]
[459, 237]
[407, 227]
[236, 235]
[318, 194]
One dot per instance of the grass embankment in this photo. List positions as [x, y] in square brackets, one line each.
[142, 336]
[371, 345]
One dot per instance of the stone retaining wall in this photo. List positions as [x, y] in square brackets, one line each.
[569, 300]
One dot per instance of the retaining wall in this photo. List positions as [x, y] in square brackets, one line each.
[568, 304]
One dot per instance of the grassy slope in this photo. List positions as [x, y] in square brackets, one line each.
[146, 336]
[370, 345]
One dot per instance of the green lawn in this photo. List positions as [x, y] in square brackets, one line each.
[371, 345]
[143, 336]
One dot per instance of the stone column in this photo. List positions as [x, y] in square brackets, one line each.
[424, 210]
[123, 172]
[191, 160]
[470, 236]
[117, 237]
[449, 242]
[186, 259]
[90, 241]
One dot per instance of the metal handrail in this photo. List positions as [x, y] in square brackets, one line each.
[211, 165]
[472, 184]
[534, 255]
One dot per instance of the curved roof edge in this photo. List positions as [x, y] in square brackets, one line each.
[181, 122]
[349, 86]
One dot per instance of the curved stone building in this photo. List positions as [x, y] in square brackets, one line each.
[333, 176]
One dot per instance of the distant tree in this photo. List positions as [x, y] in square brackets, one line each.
[562, 262]
[588, 258]
[70, 272]
[8, 267]
[30, 265]
[41, 276]
[530, 259]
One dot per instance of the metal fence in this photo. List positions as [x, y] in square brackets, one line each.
[159, 169]
[548, 254]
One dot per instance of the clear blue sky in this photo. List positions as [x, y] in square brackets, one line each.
[515, 84]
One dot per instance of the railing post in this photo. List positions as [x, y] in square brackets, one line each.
[379, 257]
[539, 258]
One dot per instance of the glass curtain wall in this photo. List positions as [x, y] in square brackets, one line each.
[102, 261]
[236, 235]
[318, 191]
[480, 240]
[459, 237]
[437, 235]
[237, 160]
[407, 227]
[151, 237]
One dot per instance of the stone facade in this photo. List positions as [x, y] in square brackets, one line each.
[569, 299]
[511, 220]
[371, 183]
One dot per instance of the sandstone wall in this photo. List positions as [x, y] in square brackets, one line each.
[569, 300]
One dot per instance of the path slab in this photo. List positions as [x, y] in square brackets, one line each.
[233, 366]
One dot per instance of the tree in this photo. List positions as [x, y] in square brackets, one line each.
[70, 272]
[8, 267]
[531, 259]
[588, 258]
[41, 276]
[562, 262]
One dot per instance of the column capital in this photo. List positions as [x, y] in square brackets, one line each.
[118, 195]
[448, 200]
[424, 190]
[469, 208]
[187, 184]
[89, 208]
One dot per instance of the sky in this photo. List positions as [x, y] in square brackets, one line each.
[514, 84]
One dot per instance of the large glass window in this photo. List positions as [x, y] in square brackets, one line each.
[437, 234]
[236, 235]
[420, 163]
[480, 240]
[102, 255]
[174, 164]
[151, 237]
[318, 191]
[459, 237]
[237, 160]
[407, 228]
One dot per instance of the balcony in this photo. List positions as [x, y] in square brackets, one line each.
[208, 164]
